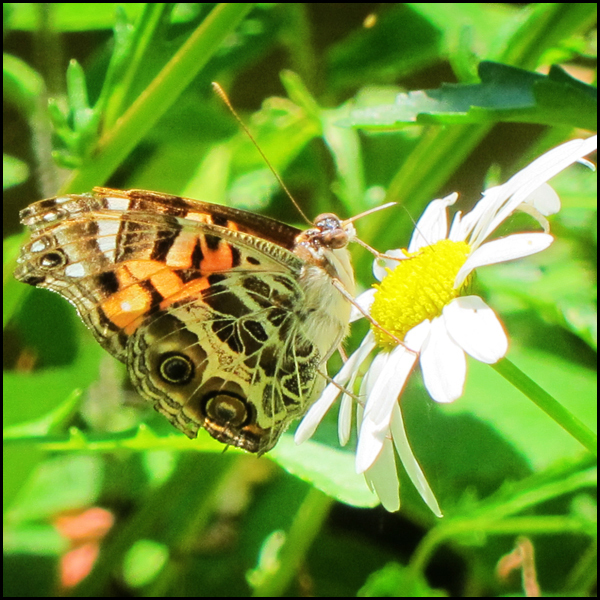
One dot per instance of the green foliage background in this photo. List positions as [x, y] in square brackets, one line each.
[354, 104]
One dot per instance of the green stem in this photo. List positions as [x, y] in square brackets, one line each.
[556, 411]
[306, 526]
[159, 96]
[496, 516]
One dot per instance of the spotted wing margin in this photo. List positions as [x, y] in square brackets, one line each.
[102, 252]
[257, 225]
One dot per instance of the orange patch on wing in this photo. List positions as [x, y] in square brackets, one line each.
[166, 283]
[124, 306]
[133, 271]
[164, 280]
[220, 259]
[132, 301]
[190, 291]
[180, 254]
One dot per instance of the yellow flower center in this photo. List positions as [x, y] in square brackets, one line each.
[417, 289]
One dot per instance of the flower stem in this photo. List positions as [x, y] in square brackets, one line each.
[306, 526]
[556, 411]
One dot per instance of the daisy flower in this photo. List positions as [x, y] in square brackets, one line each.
[422, 300]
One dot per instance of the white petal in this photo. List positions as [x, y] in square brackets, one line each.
[587, 163]
[315, 415]
[366, 347]
[360, 411]
[345, 415]
[318, 410]
[366, 385]
[374, 428]
[479, 218]
[443, 364]
[525, 182]
[433, 224]
[413, 469]
[345, 419]
[370, 443]
[417, 336]
[373, 373]
[545, 200]
[365, 301]
[399, 365]
[502, 250]
[372, 434]
[456, 229]
[476, 329]
[383, 478]
[380, 265]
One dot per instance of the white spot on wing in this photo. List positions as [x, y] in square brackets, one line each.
[107, 236]
[118, 204]
[38, 246]
[194, 216]
[75, 270]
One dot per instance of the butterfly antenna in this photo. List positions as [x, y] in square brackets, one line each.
[369, 212]
[416, 225]
[221, 93]
[364, 214]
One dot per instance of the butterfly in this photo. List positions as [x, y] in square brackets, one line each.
[224, 318]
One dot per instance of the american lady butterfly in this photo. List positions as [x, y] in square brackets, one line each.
[223, 317]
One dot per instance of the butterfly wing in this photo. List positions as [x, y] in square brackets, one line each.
[201, 302]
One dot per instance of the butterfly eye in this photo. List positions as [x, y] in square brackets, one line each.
[329, 232]
[227, 409]
[176, 368]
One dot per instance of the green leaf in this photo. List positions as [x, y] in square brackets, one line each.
[397, 581]
[504, 94]
[14, 171]
[329, 469]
